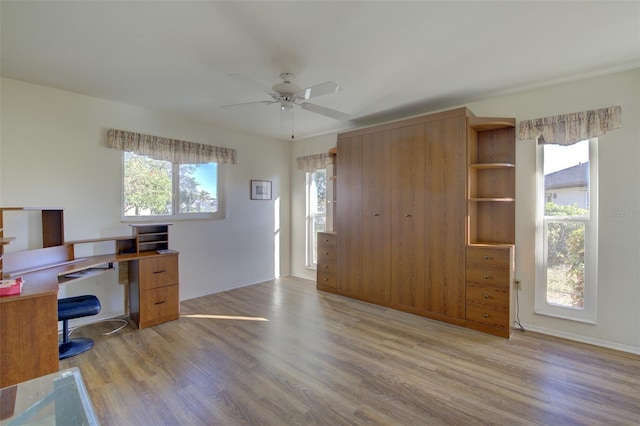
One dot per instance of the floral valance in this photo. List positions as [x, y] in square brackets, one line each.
[311, 163]
[568, 129]
[173, 150]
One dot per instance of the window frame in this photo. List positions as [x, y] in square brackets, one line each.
[588, 312]
[310, 220]
[175, 197]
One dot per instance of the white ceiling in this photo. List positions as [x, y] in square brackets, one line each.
[392, 58]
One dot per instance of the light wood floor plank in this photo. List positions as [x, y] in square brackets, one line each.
[282, 353]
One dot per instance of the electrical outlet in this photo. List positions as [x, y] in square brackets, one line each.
[518, 284]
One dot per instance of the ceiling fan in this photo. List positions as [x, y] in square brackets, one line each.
[288, 94]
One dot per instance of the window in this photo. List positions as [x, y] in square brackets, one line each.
[566, 248]
[316, 212]
[161, 189]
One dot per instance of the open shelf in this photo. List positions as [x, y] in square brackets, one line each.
[151, 237]
[491, 189]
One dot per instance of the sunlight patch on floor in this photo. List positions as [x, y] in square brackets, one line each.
[224, 317]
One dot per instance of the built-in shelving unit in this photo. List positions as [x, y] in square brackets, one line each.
[491, 228]
[491, 177]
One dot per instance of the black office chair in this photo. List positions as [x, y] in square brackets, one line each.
[75, 307]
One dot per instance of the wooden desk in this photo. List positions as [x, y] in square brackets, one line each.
[29, 322]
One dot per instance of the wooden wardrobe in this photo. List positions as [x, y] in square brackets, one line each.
[410, 201]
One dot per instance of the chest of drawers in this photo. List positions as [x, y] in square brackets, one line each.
[327, 262]
[489, 277]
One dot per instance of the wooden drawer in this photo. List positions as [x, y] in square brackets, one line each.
[489, 257]
[327, 254]
[488, 276]
[327, 240]
[327, 267]
[488, 315]
[488, 295]
[159, 305]
[158, 271]
[327, 280]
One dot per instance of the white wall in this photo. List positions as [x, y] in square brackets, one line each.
[618, 311]
[54, 154]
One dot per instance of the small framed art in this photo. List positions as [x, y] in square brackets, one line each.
[260, 189]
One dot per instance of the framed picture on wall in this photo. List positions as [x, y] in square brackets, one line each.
[260, 189]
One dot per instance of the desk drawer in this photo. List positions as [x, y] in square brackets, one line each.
[158, 305]
[158, 271]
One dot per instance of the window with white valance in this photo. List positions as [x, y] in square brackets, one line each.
[311, 163]
[315, 166]
[568, 129]
[567, 209]
[172, 150]
[170, 179]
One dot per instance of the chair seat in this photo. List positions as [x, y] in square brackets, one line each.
[78, 306]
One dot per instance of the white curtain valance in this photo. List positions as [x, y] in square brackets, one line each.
[568, 129]
[311, 163]
[173, 150]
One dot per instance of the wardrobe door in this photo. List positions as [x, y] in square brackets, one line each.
[446, 216]
[408, 215]
[376, 216]
[349, 216]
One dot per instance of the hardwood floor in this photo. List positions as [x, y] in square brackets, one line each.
[281, 353]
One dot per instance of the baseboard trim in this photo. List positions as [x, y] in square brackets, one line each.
[583, 339]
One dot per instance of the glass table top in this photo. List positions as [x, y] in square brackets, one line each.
[56, 399]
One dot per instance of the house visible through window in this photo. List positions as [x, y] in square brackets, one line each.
[316, 211]
[156, 188]
[567, 241]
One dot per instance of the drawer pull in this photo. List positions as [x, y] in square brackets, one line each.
[326, 240]
[486, 296]
[326, 253]
[159, 272]
[325, 266]
[485, 315]
[160, 303]
[407, 215]
[487, 257]
[326, 279]
[376, 214]
[487, 277]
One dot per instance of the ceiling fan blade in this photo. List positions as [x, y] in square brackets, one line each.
[247, 103]
[332, 113]
[318, 90]
[246, 80]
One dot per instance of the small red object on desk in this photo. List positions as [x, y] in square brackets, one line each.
[11, 287]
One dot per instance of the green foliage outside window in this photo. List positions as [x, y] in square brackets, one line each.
[565, 245]
[147, 186]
